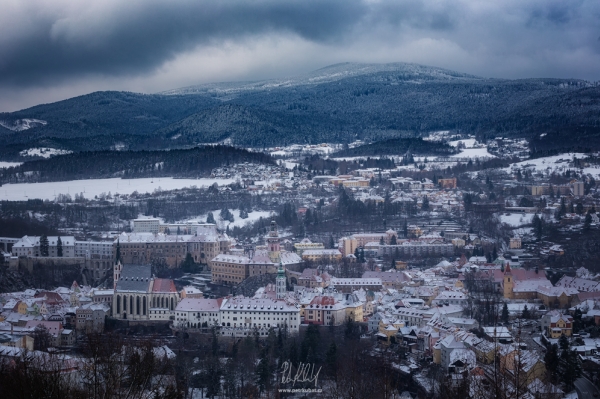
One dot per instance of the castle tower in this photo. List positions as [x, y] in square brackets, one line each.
[273, 243]
[509, 282]
[280, 287]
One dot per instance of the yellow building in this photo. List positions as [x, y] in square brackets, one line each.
[229, 269]
[348, 245]
[307, 244]
[400, 265]
[447, 183]
[354, 311]
[437, 353]
[22, 307]
[525, 362]
[389, 328]
[560, 325]
[356, 183]
[321, 254]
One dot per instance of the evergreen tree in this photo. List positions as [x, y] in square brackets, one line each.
[505, 313]
[538, 226]
[188, 265]
[214, 344]
[495, 253]
[230, 378]
[425, 204]
[59, 248]
[331, 360]
[525, 314]
[393, 240]
[587, 224]
[293, 353]
[551, 359]
[405, 228]
[309, 343]
[563, 343]
[210, 218]
[263, 371]
[212, 376]
[569, 368]
[44, 245]
[579, 208]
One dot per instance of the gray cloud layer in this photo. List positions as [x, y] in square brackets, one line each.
[53, 45]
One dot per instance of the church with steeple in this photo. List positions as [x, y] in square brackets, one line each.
[266, 259]
[280, 284]
[273, 243]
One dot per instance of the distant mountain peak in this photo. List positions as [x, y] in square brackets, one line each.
[327, 74]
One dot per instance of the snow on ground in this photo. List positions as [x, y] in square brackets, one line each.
[43, 152]
[474, 153]
[517, 308]
[554, 162]
[469, 143]
[237, 220]
[9, 164]
[592, 170]
[22, 124]
[91, 188]
[516, 219]
[362, 158]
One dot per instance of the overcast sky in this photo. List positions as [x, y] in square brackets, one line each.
[52, 50]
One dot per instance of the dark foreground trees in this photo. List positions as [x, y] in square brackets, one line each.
[109, 368]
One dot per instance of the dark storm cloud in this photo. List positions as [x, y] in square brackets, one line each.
[73, 46]
[140, 36]
[122, 38]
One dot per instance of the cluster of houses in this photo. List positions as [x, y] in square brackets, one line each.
[63, 312]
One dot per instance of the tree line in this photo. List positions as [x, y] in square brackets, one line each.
[195, 162]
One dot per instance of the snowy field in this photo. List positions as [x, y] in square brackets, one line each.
[469, 143]
[474, 153]
[516, 219]
[9, 164]
[556, 162]
[43, 152]
[93, 187]
[237, 221]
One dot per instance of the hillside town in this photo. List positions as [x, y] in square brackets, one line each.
[454, 280]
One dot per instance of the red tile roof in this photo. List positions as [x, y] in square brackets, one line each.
[163, 285]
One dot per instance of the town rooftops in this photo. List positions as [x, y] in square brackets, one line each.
[135, 278]
[251, 304]
[355, 281]
[163, 285]
[199, 305]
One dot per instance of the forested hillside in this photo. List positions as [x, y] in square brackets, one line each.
[415, 146]
[196, 162]
[99, 120]
[340, 104]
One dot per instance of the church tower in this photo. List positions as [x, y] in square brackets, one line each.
[280, 287]
[509, 282]
[117, 272]
[273, 243]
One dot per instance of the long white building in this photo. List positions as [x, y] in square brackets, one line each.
[197, 312]
[30, 246]
[250, 313]
[237, 312]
